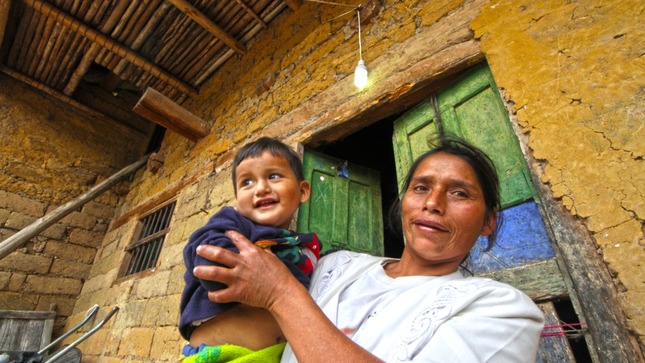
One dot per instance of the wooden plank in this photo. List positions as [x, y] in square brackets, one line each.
[162, 110]
[553, 348]
[594, 288]
[540, 281]
[25, 330]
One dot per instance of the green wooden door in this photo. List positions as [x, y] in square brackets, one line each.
[344, 210]
[472, 108]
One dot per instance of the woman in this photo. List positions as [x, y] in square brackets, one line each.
[416, 308]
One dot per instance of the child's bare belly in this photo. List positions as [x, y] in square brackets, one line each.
[243, 325]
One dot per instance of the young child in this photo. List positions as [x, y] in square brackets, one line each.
[269, 187]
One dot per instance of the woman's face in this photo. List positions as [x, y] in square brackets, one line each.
[443, 212]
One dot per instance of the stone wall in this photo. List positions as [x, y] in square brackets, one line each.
[408, 47]
[52, 153]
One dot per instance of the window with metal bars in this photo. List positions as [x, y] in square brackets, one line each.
[151, 231]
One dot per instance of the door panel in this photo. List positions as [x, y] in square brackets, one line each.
[472, 109]
[345, 212]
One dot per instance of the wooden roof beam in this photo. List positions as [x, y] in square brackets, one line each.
[201, 19]
[109, 44]
[252, 13]
[161, 110]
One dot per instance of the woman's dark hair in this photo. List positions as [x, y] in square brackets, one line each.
[276, 148]
[484, 170]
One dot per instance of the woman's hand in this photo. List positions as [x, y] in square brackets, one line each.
[254, 277]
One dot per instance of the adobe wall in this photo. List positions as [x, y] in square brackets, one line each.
[51, 153]
[575, 74]
[312, 99]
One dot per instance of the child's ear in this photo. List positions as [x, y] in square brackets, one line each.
[305, 191]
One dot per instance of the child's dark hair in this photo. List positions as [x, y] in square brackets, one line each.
[276, 148]
[481, 164]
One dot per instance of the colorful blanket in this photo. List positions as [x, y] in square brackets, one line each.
[236, 354]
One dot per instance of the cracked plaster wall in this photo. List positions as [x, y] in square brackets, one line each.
[575, 73]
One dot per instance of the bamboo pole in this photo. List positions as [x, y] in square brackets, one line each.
[95, 36]
[190, 11]
[14, 242]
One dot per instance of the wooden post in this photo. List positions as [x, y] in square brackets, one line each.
[160, 109]
[12, 243]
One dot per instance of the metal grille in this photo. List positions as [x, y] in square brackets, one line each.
[145, 249]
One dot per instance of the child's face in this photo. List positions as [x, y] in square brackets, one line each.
[268, 191]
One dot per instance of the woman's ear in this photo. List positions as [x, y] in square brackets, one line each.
[305, 191]
[490, 222]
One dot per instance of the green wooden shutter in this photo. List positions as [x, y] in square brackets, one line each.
[470, 108]
[344, 212]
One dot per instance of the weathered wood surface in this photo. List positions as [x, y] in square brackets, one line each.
[25, 330]
[555, 348]
[162, 110]
[540, 281]
[595, 296]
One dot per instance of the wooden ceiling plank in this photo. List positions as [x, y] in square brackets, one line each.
[204, 57]
[253, 14]
[26, 38]
[52, 69]
[206, 23]
[192, 47]
[173, 38]
[92, 53]
[152, 24]
[42, 46]
[62, 36]
[216, 63]
[32, 57]
[141, 24]
[105, 57]
[95, 36]
[51, 41]
[72, 49]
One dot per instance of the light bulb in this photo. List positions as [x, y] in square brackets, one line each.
[360, 75]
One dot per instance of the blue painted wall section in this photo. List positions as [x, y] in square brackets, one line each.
[522, 239]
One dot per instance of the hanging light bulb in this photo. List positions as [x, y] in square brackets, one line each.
[360, 73]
